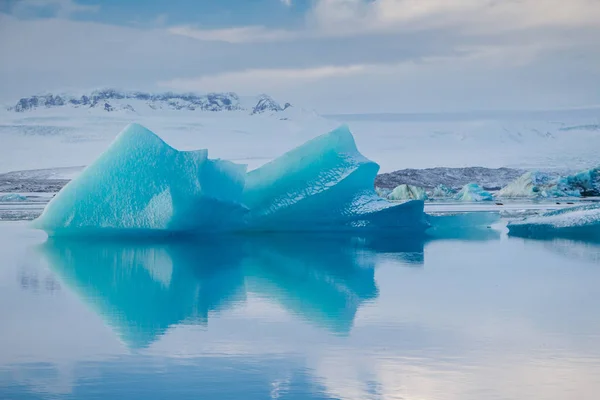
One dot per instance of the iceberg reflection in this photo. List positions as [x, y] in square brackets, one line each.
[141, 288]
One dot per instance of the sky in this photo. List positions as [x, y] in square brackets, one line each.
[333, 56]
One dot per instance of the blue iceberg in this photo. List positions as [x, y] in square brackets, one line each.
[530, 185]
[407, 192]
[325, 184]
[537, 184]
[582, 184]
[141, 185]
[442, 192]
[12, 197]
[473, 192]
[577, 222]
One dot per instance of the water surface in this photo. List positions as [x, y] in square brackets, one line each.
[475, 315]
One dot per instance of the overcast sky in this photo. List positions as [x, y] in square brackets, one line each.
[330, 55]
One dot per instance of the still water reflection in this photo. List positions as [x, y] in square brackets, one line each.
[473, 316]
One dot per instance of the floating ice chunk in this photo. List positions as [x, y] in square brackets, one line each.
[584, 183]
[142, 185]
[12, 197]
[540, 184]
[442, 192]
[407, 192]
[530, 184]
[473, 192]
[325, 184]
[581, 221]
[382, 192]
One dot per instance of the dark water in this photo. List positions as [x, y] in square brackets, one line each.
[474, 315]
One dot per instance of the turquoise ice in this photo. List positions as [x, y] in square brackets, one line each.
[540, 184]
[407, 192]
[577, 222]
[473, 192]
[141, 185]
[325, 184]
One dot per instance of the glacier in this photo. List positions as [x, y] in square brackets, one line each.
[577, 222]
[407, 192]
[536, 184]
[473, 192]
[141, 185]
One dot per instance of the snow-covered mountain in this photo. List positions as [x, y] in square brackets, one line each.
[111, 100]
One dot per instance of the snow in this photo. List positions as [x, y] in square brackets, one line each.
[581, 221]
[141, 185]
[407, 192]
[69, 137]
[473, 192]
[73, 137]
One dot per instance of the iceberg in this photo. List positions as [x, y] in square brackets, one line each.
[407, 192]
[12, 197]
[582, 184]
[473, 192]
[537, 184]
[141, 185]
[382, 192]
[531, 184]
[580, 221]
[325, 184]
[443, 192]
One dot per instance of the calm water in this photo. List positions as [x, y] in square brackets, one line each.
[474, 316]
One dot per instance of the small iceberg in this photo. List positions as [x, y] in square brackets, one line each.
[580, 221]
[407, 192]
[537, 184]
[382, 192]
[442, 192]
[12, 197]
[141, 185]
[473, 192]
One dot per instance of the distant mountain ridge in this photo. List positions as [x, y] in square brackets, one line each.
[110, 100]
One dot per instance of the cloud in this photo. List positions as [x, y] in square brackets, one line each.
[244, 34]
[349, 55]
[55, 8]
[354, 17]
[287, 2]
[257, 80]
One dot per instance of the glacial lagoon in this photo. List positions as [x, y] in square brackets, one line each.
[454, 316]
